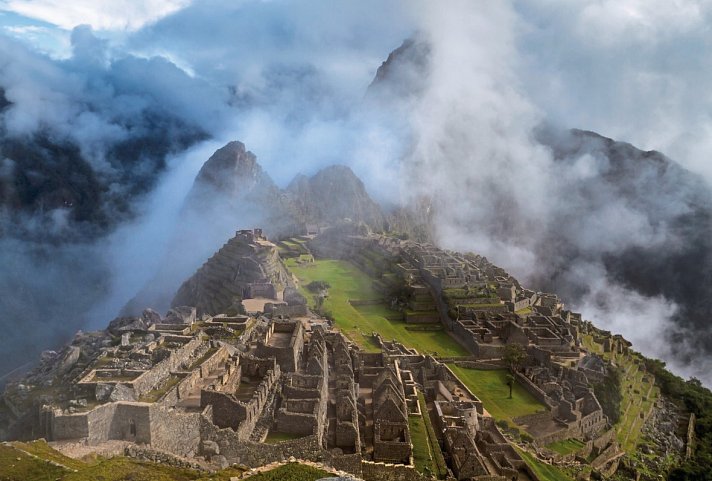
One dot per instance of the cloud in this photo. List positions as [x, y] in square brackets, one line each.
[100, 14]
[633, 70]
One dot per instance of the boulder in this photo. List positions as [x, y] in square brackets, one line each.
[122, 392]
[180, 315]
[70, 358]
[293, 298]
[149, 316]
[123, 324]
[48, 356]
[209, 448]
[103, 391]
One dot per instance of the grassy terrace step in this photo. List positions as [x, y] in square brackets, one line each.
[16, 465]
[544, 471]
[566, 446]
[42, 450]
[274, 437]
[638, 396]
[291, 472]
[36, 461]
[491, 387]
[358, 322]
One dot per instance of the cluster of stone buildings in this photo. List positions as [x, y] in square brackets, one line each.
[253, 389]
[487, 310]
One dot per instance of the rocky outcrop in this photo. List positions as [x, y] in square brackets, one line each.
[334, 194]
[234, 184]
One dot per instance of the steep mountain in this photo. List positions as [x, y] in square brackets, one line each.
[403, 73]
[57, 205]
[672, 255]
[232, 191]
[332, 194]
[601, 218]
[234, 182]
[68, 196]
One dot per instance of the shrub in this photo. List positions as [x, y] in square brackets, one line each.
[316, 286]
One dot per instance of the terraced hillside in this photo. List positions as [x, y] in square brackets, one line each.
[638, 389]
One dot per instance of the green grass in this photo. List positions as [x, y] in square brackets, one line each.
[203, 358]
[440, 468]
[275, 437]
[491, 387]
[291, 472]
[629, 426]
[16, 465]
[544, 471]
[158, 393]
[566, 446]
[421, 449]
[41, 449]
[349, 282]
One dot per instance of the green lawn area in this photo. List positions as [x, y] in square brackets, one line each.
[43, 450]
[419, 438]
[275, 437]
[491, 387]
[349, 282]
[17, 465]
[545, 471]
[566, 446]
[291, 472]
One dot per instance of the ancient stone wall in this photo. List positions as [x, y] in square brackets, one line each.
[371, 471]
[174, 431]
[68, 426]
[283, 310]
[230, 412]
[252, 454]
[535, 391]
[287, 356]
[161, 371]
[99, 421]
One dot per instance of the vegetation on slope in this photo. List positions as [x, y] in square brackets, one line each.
[567, 446]
[626, 394]
[545, 472]
[291, 472]
[697, 400]
[16, 465]
[37, 461]
[347, 282]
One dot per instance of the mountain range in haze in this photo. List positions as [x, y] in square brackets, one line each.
[619, 232]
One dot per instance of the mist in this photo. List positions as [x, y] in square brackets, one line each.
[477, 130]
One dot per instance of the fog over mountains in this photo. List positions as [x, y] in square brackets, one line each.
[107, 203]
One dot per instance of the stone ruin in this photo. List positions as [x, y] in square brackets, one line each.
[247, 266]
[235, 388]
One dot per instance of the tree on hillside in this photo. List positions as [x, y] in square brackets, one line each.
[510, 383]
[514, 355]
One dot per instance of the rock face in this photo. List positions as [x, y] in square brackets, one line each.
[651, 218]
[404, 72]
[334, 194]
[667, 199]
[233, 181]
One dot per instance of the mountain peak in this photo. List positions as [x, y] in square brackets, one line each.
[231, 165]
